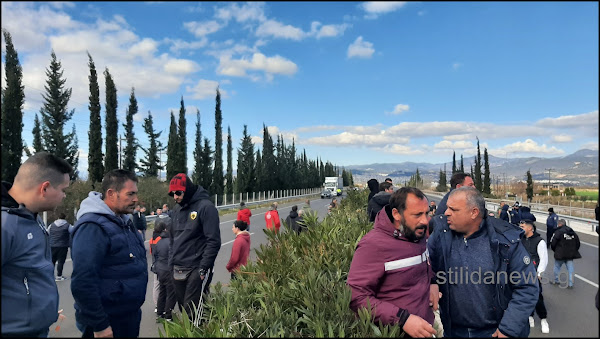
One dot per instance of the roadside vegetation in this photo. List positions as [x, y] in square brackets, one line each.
[296, 288]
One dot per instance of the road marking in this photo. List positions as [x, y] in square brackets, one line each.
[587, 281]
[583, 242]
[225, 243]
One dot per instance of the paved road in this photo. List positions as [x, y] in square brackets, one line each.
[571, 313]
[149, 328]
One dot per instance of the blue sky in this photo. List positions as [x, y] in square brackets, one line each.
[352, 82]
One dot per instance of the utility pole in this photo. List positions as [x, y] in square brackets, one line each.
[549, 187]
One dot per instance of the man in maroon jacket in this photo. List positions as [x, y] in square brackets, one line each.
[390, 270]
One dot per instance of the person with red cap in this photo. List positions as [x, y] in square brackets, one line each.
[196, 240]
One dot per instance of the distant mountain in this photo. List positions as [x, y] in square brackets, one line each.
[579, 168]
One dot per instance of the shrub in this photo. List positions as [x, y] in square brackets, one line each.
[297, 286]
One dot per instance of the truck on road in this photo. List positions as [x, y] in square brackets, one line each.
[334, 184]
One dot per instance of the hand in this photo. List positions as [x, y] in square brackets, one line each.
[434, 296]
[418, 327]
[498, 334]
[202, 273]
[105, 333]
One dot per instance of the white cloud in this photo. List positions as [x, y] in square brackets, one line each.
[590, 145]
[571, 121]
[360, 49]
[178, 44]
[456, 66]
[250, 11]
[421, 13]
[327, 31]
[353, 139]
[405, 149]
[562, 138]
[398, 109]
[530, 147]
[448, 145]
[259, 62]
[200, 29]
[205, 89]
[272, 28]
[375, 8]
[181, 66]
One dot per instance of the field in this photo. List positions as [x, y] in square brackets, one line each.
[591, 194]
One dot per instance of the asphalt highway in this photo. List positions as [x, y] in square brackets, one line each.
[571, 312]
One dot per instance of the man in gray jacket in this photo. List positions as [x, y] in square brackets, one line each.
[29, 293]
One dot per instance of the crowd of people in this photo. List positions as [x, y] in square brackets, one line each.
[421, 261]
[415, 268]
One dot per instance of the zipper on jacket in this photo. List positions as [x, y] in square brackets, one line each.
[26, 285]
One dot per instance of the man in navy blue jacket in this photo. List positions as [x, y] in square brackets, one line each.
[110, 271]
[29, 293]
[486, 277]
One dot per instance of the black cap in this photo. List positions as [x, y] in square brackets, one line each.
[551, 209]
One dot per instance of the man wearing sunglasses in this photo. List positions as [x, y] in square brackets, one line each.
[196, 238]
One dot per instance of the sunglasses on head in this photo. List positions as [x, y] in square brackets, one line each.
[178, 193]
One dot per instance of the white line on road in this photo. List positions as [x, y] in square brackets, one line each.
[587, 281]
[583, 242]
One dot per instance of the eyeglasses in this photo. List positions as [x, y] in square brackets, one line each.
[178, 193]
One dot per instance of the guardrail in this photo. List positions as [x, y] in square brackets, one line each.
[540, 211]
[272, 197]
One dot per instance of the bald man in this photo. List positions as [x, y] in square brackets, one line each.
[28, 287]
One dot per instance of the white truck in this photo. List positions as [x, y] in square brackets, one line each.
[333, 184]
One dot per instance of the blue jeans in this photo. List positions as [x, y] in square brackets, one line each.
[465, 332]
[557, 266]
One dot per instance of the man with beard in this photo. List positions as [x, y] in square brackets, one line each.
[390, 271]
[110, 271]
[485, 274]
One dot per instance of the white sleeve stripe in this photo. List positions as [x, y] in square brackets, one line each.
[406, 262]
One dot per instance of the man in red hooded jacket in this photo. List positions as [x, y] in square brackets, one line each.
[272, 218]
[390, 271]
[244, 214]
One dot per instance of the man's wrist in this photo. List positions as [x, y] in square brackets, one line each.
[202, 272]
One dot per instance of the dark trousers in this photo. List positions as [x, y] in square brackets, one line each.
[540, 307]
[59, 254]
[125, 325]
[166, 294]
[549, 233]
[188, 291]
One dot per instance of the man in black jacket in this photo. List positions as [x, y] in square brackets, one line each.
[565, 244]
[379, 200]
[139, 221]
[196, 238]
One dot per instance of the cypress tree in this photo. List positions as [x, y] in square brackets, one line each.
[206, 176]
[462, 165]
[111, 160]
[217, 180]
[269, 170]
[294, 181]
[229, 175]
[95, 165]
[38, 146]
[486, 173]
[260, 185]
[182, 142]
[13, 98]
[150, 165]
[351, 179]
[55, 115]
[131, 145]
[173, 162]
[529, 188]
[453, 162]
[197, 151]
[246, 172]
[477, 170]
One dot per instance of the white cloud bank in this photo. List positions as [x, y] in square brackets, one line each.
[360, 49]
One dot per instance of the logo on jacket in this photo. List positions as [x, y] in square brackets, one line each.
[193, 215]
[29, 236]
[526, 260]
